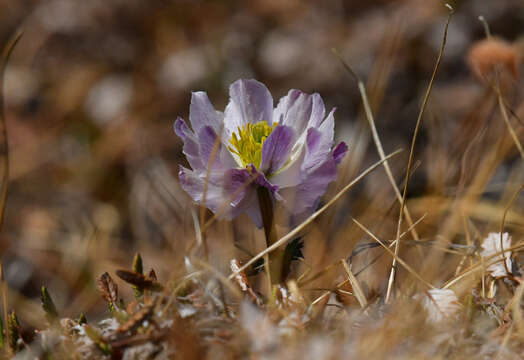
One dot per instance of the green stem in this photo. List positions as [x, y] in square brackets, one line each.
[274, 260]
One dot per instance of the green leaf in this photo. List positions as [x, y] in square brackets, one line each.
[82, 320]
[48, 305]
[13, 331]
[98, 339]
[137, 264]
[139, 269]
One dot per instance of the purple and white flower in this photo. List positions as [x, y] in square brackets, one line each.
[288, 150]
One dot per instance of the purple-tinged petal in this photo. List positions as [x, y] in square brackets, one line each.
[236, 184]
[216, 199]
[327, 127]
[191, 148]
[304, 197]
[202, 113]
[211, 148]
[319, 169]
[276, 149]
[318, 149]
[181, 128]
[295, 111]
[261, 180]
[253, 211]
[300, 111]
[318, 143]
[250, 206]
[240, 190]
[291, 173]
[208, 140]
[193, 183]
[237, 181]
[339, 151]
[284, 104]
[251, 101]
[318, 111]
[233, 120]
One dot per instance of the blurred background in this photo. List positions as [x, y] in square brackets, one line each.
[93, 88]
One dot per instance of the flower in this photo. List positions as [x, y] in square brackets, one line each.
[440, 304]
[287, 149]
[491, 246]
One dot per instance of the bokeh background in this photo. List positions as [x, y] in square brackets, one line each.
[93, 88]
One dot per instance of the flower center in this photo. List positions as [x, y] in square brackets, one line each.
[247, 145]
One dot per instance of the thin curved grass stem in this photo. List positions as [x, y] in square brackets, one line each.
[411, 153]
[376, 139]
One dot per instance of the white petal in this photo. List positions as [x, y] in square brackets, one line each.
[491, 246]
[440, 304]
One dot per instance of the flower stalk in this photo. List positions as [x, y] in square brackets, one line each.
[274, 259]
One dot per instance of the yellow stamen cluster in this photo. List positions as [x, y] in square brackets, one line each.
[248, 143]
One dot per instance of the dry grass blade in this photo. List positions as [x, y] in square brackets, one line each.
[357, 290]
[482, 265]
[399, 260]
[139, 280]
[220, 277]
[4, 154]
[8, 50]
[412, 150]
[137, 339]
[504, 220]
[511, 130]
[409, 229]
[108, 288]
[182, 282]
[500, 98]
[516, 308]
[376, 139]
[303, 281]
[282, 241]
[199, 233]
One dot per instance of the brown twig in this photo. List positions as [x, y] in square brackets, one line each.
[4, 153]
